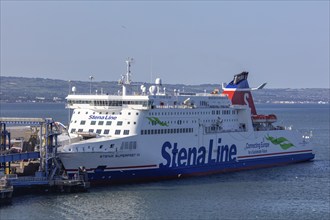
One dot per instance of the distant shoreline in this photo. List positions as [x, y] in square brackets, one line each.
[271, 103]
[41, 90]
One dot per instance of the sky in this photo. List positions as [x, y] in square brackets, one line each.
[283, 43]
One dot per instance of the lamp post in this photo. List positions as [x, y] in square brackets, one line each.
[90, 85]
[69, 112]
[69, 86]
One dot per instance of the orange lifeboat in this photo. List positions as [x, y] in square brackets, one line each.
[264, 118]
[271, 118]
[258, 118]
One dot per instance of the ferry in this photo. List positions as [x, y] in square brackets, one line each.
[153, 134]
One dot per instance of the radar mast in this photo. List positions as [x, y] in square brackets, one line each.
[126, 79]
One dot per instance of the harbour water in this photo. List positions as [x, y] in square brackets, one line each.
[299, 191]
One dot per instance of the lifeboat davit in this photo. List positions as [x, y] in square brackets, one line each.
[264, 118]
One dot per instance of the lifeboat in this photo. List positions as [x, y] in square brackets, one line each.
[264, 118]
[271, 118]
[87, 135]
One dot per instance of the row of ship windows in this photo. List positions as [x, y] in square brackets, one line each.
[119, 123]
[120, 103]
[109, 103]
[128, 145]
[99, 131]
[101, 113]
[167, 131]
[214, 112]
[179, 122]
[125, 145]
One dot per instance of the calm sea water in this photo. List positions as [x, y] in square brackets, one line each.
[299, 191]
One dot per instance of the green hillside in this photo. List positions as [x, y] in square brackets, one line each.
[22, 89]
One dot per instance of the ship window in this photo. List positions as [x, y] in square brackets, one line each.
[93, 122]
[98, 131]
[128, 122]
[106, 131]
[91, 130]
[117, 132]
[80, 130]
[73, 130]
[83, 122]
[119, 123]
[129, 113]
[126, 132]
[78, 112]
[86, 113]
[101, 122]
[108, 122]
[137, 113]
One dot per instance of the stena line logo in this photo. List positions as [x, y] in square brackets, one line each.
[181, 157]
[102, 117]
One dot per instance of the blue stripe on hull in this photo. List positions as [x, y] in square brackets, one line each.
[144, 175]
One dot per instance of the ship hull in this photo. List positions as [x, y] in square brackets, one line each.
[160, 159]
[147, 175]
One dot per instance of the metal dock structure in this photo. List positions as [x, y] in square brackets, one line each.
[6, 190]
[50, 170]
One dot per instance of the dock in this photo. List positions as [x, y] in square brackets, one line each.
[6, 190]
[41, 158]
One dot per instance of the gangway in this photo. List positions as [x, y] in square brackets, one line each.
[49, 173]
[47, 145]
[5, 158]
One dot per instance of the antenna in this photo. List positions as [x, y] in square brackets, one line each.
[151, 68]
[129, 61]
[126, 80]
